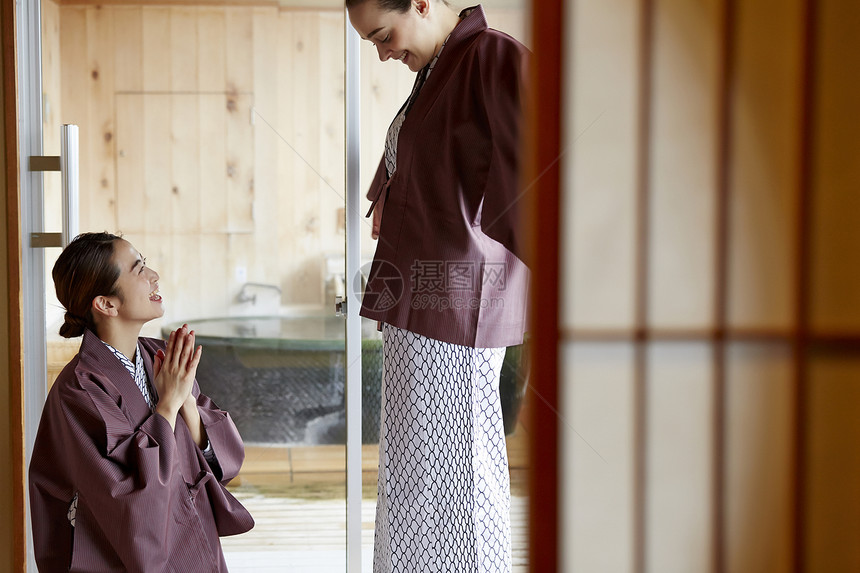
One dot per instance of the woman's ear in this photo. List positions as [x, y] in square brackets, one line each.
[421, 6]
[103, 306]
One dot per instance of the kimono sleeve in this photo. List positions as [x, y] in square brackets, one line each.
[223, 437]
[503, 71]
[126, 477]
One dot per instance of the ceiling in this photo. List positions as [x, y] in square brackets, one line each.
[287, 4]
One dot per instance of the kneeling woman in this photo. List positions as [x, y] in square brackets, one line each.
[130, 460]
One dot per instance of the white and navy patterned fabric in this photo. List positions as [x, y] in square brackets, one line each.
[394, 129]
[444, 488]
[73, 510]
[137, 372]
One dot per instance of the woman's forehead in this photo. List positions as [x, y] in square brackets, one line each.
[125, 251]
[368, 18]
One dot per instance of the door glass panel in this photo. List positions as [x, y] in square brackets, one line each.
[212, 138]
[385, 86]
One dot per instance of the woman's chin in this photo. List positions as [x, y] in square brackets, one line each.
[158, 309]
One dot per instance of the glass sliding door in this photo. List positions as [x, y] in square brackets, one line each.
[385, 86]
[213, 139]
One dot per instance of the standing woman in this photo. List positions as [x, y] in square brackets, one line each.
[447, 283]
[130, 461]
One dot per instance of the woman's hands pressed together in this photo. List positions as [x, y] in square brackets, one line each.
[175, 369]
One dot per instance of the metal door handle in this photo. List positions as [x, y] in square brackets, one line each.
[67, 164]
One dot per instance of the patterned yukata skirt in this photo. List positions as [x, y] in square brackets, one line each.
[444, 489]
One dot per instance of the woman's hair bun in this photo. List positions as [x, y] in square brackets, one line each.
[84, 270]
[73, 326]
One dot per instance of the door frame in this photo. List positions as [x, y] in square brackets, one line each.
[547, 31]
[11, 274]
[22, 71]
[33, 354]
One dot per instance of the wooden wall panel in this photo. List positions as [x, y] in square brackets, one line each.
[74, 82]
[52, 119]
[128, 49]
[156, 49]
[239, 68]
[836, 171]
[240, 141]
[683, 163]
[183, 50]
[331, 132]
[239, 144]
[211, 50]
[183, 209]
[765, 145]
[156, 119]
[51, 109]
[212, 162]
[281, 124]
[189, 258]
[216, 277]
[267, 190]
[306, 156]
[131, 172]
[97, 139]
[157, 164]
[601, 165]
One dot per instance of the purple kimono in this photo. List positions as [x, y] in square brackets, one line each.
[147, 499]
[448, 264]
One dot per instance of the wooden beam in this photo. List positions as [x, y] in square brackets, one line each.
[15, 372]
[643, 281]
[803, 282]
[543, 175]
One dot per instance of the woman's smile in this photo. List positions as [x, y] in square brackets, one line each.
[154, 296]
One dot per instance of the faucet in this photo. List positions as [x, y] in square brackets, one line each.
[245, 296]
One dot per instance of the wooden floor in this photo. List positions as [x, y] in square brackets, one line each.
[265, 462]
[297, 495]
[309, 536]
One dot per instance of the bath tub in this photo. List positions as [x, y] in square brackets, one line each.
[282, 378]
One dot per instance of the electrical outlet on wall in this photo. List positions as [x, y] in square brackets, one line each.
[241, 274]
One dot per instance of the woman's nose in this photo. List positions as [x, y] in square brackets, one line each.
[384, 53]
[155, 276]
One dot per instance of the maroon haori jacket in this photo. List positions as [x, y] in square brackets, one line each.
[448, 263]
[147, 499]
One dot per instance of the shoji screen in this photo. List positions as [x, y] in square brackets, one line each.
[710, 319]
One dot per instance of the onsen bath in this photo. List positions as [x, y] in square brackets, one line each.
[282, 378]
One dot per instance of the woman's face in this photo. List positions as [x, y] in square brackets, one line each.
[139, 300]
[404, 36]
